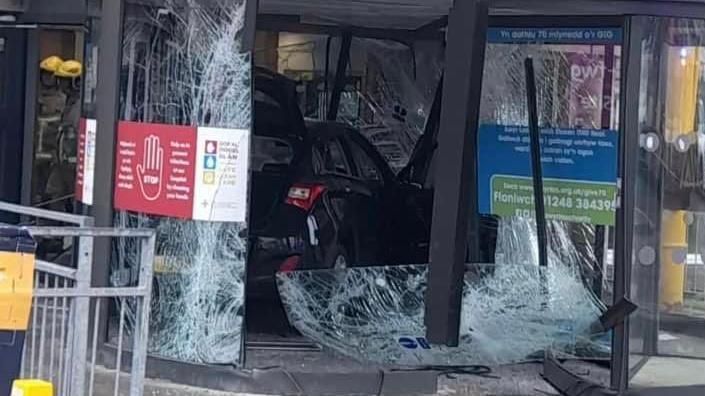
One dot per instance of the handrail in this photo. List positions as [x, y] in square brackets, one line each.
[55, 269]
[92, 232]
[46, 214]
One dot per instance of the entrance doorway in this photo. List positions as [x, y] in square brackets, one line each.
[667, 332]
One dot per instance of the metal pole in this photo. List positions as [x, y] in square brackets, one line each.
[141, 330]
[107, 93]
[455, 217]
[249, 30]
[326, 74]
[30, 114]
[536, 169]
[81, 307]
[340, 71]
[248, 43]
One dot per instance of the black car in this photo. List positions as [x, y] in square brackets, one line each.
[322, 196]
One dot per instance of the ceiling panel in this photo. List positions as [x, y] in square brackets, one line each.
[402, 14]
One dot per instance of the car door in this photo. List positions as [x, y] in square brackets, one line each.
[371, 185]
[331, 222]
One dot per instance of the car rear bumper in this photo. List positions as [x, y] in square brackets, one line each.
[266, 258]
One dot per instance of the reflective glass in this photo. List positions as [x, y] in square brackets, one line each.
[667, 332]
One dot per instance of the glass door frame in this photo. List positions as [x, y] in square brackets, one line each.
[629, 143]
[623, 370]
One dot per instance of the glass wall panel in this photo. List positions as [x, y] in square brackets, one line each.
[668, 275]
[512, 309]
[364, 211]
[577, 77]
[185, 90]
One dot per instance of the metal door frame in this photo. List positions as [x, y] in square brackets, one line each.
[15, 46]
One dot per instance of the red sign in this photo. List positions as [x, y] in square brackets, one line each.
[155, 166]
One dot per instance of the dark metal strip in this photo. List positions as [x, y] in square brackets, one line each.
[536, 168]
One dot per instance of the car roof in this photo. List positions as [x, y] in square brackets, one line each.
[325, 130]
[276, 111]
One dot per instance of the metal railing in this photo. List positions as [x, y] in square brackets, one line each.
[63, 339]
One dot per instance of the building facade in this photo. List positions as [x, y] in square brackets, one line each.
[168, 119]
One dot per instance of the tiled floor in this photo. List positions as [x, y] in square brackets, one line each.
[514, 380]
[667, 371]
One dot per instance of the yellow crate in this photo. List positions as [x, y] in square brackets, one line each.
[32, 388]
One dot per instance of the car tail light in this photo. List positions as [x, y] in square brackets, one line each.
[290, 264]
[304, 195]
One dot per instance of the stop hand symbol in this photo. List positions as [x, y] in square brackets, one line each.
[150, 171]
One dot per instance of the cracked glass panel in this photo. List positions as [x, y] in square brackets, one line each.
[183, 64]
[393, 103]
[389, 87]
[511, 313]
[512, 309]
[577, 89]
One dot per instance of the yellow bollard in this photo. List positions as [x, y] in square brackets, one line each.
[32, 388]
[684, 71]
[674, 242]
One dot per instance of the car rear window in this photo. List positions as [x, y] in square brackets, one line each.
[271, 154]
[333, 157]
[366, 167]
[263, 98]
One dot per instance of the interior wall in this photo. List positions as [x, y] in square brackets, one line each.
[61, 43]
[266, 54]
[55, 12]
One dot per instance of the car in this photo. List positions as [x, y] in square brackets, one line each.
[322, 196]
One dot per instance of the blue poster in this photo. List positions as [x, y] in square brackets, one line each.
[579, 169]
[579, 165]
[594, 36]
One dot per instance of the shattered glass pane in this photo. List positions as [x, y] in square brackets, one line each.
[567, 98]
[395, 101]
[183, 64]
[568, 243]
[389, 87]
[511, 313]
[513, 309]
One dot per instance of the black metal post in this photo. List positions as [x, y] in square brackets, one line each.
[455, 217]
[30, 114]
[340, 72]
[536, 169]
[249, 30]
[326, 72]
[12, 132]
[248, 44]
[107, 94]
[629, 146]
